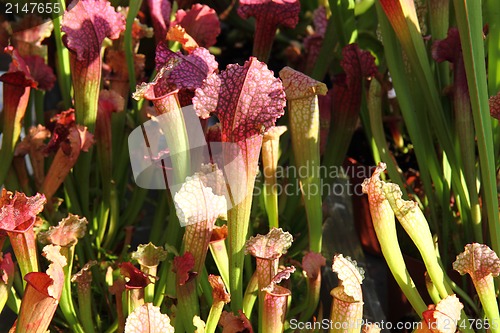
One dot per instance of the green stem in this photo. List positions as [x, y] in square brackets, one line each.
[305, 144]
[28, 117]
[206, 288]
[66, 301]
[250, 296]
[133, 10]
[432, 291]
[213, 317]
[219, 253]
[325, 56]
[18, 283]
[13, 301]
[343, 20]
[161, 285]
[493, 20]
[103, 136]
[188, 305]
[86, 77]
[312, 299]
[149, 290]
[377, 127]
[101, 219]
[3, 295]
[174, 234]
[492, 12]
[85, 308]
[165, 283]
[114, 216]
[270, 157]
[71, 196]
[469, 18]
[466, 139]
[271, 205]
[39, 96]
[62, 64]
[486, 291]
[237, 221]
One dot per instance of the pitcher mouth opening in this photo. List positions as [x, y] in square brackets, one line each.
[169, 94]
[279, 291]
[151, 93]
[22, 228]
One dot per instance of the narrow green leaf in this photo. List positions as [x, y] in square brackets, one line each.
[469, 18]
